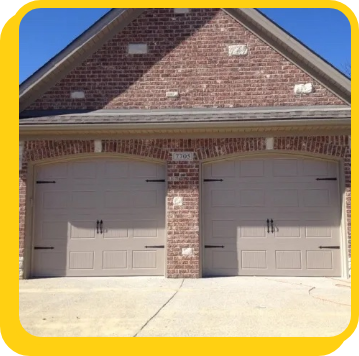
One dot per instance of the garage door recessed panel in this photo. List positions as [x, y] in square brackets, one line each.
[145, 228]
[252, 229]
[252, 197]
[225, 259]
[144, 259]
[285, 168]
[117, 199]
[224, 229]
[254, 259]
[84, 200]
[81, 260]
[319, 259]
[253, 168]
[56, 200]
[114, 259]
[283, 198]
[288, 259]
[224, 169]
[116, 229]
[144, 199]
[82, 229]
[82, 170]
[316, 197]
[318, 229]
[115, 170]
[287, 228]
[54, 230]
[315, 168]
[223, 198]
[143, 170]
[52, 172]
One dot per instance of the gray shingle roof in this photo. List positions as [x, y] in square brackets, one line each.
[183, 115]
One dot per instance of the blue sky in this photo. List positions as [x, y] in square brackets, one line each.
[45, 32]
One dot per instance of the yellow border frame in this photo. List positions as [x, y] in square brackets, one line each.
[12, 332]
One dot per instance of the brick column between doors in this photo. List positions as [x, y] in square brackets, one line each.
[183, 220]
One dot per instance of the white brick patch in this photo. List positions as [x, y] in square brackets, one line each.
[350, 267]
[172, 94]
[21, 267]
[177, 201]
[238, 50]
[187, 251]
[98, 146]
[21, 152]
[137, 48]
[269, 143]
[181, 11]
[303, 88]
[77, 95]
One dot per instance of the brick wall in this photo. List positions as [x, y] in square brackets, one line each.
[183, 179]
[187, 53]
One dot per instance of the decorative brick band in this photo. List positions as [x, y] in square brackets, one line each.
[183, 180]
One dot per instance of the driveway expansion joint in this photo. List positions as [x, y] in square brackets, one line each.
[158, 311]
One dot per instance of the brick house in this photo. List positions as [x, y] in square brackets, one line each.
[185, 143]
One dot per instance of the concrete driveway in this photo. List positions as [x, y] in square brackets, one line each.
[142, 306]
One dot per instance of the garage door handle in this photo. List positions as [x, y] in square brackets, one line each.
[272, 225]
[268, 226]
[156, 246]
[101, 227]
[43, 248]
[330, 247]
[213, 246]
[97, 226]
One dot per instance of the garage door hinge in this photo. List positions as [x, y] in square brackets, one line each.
[212, 180]
[45, 182]
[155, 180]
[330, 247]
[327, 178]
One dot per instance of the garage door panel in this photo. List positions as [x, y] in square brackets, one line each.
[115, 192]
[114, 260]
[305, 214]
[288, 259]
[82, 229]
[254, 259]
[50, 172]
[116, 229]
[320, 259]
[251, 168]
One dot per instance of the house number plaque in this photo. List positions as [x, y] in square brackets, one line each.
[182, 156]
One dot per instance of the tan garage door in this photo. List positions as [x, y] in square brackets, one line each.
[99, 218]
[274, 217]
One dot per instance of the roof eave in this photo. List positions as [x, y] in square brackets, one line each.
[25, 129]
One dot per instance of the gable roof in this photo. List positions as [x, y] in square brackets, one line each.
[117, 19]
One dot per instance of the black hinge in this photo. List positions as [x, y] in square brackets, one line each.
[213, 246]
[45, 182]
[331, 247]
[212, 180]
[156, 246]
[155, 180]
[43, 248]
[326, 178]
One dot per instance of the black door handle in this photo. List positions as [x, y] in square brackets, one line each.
[97, 226]
[101, 226]
[268, 226]
[272, 225]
